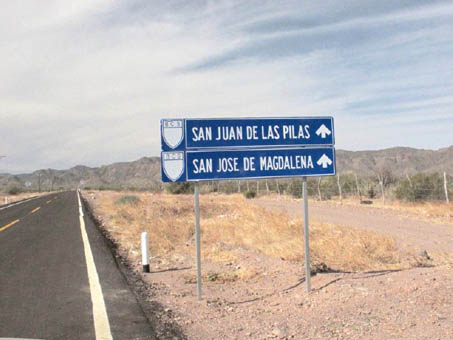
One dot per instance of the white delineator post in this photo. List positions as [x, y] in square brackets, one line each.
[6, 200]
[145, 263]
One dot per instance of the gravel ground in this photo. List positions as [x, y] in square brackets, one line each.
[409, 304]
[259, 297]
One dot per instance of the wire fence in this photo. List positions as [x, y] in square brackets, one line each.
[384, 186]
[418, 187]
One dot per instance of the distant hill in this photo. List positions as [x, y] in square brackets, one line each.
[145, 172]
[400, 161]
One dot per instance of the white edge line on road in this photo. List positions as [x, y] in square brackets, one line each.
[101, 320]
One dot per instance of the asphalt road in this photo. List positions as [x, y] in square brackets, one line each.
[45, 292]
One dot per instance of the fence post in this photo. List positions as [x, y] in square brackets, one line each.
[381, 184]
[319, 188]
[358, 188]
[446, 187]
[409, 179]
[339, 186]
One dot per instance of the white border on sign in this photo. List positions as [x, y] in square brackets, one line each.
[334, 167]
[259, 146]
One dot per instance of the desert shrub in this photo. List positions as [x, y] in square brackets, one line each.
[13, 190]
[128, 199]
[420, 187]
[250, 194]
[294, 188]
[371, 192]
[179, 188]
[329, 187]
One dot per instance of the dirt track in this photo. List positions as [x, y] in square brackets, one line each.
[408, 229]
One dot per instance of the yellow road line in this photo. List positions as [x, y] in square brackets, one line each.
[35, 210]
[9, 225]
[49, 201]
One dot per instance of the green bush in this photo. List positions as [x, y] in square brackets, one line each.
[179, 188]
[250, 194]
[128, 199]
[294, 188]
[371, 192]
[420, 187]
[13, 190]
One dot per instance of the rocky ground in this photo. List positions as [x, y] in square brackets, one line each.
[272, 303]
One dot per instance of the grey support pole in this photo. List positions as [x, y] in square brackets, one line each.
[197, 238]
[307, 246]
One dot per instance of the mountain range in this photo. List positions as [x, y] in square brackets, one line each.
[145, 172]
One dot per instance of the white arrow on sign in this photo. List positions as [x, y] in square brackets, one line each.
[323, 131]
[324, 161]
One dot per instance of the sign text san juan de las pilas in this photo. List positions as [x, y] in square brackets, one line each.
[222, 149]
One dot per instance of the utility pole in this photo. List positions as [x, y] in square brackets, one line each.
[446, 187]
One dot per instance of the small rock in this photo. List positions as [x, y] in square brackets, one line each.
[424, 254]
[279, 332]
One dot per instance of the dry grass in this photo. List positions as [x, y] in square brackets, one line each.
[232, 220]
[440, 212]
[21, 196]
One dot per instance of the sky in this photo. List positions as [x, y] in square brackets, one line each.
[87, 81]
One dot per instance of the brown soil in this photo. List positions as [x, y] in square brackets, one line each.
[254, 296]
[273, 303]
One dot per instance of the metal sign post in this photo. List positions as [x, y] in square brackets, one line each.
[306, 235]
[197, 238]
[196, 150]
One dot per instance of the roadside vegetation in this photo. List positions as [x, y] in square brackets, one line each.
[236, 222]
[18, 197]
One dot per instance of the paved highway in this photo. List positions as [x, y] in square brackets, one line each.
[58, 279]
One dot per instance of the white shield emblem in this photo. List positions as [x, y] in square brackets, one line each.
[173, 132]
[173, 164]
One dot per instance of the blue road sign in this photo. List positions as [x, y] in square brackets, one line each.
[202, 165]
[192, 134]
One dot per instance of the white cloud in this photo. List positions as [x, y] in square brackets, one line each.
[87, 83]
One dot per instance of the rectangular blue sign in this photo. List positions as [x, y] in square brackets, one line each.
[203, 165]
[187, 134]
